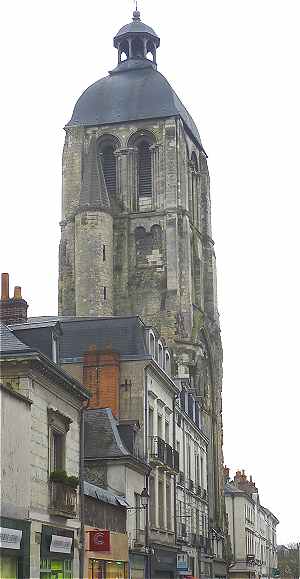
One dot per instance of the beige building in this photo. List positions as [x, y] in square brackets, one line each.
[252, 530]
[126, 366]
[40, 447]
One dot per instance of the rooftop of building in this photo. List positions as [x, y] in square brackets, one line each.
[12, 348]
[124, 334]
[134, 90]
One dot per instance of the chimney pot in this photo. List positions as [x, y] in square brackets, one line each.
[18, 293]
[5, 287]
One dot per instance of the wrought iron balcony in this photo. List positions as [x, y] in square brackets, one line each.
[181, 479]
[63, 500]
[163, 455]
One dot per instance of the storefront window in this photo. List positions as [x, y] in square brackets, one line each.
[51, 569]
[8, 567]
[107, 569]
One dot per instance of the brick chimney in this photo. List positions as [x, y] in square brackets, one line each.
[226, 474]
[12, 310]
[241, 482]
[101, 375]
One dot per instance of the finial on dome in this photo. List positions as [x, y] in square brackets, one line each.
[136, 14]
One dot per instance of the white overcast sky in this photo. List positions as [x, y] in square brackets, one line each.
[235, 65]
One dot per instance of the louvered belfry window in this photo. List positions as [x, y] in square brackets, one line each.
[144, 170]
[109, 168]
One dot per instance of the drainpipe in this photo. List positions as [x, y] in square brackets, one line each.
[174, 482]
[81, 494]
[233, 526]
[146, 454]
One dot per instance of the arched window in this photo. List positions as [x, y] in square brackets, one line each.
[123, 51]
[144, 169]
[138, 50]
[194, 165]
[106, 149]
[146, 159]
[151, 50]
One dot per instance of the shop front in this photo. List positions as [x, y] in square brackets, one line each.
[106, 554]
[137, 564]
[14, 548]
[57, 553]
[163, 563]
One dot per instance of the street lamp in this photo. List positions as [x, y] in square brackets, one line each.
[145, 498]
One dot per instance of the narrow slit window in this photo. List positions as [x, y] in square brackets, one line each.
[104, 253]
[104, 293]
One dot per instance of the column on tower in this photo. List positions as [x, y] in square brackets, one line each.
[93, 241]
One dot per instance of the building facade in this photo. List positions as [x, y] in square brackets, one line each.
[136, 226]
[40, 449]
[252, 530]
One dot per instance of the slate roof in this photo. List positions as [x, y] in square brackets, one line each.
[124, 335]
[104, 495]
[231, 489]
[101, 436]
[93, 190]
[135, 27]
[9, 343]
[134, 91]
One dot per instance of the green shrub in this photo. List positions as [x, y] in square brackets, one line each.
[58, 475]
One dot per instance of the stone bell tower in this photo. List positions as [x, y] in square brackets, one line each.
[136, 187]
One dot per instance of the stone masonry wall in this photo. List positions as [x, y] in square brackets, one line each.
[94, 263]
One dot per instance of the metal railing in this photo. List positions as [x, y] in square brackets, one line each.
[63, 499]
[161, 453]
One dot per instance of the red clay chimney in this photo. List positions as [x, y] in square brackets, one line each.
[4, 287]
[12, 310]
[101, 375]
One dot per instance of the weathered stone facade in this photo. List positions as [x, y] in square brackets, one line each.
[163, 254]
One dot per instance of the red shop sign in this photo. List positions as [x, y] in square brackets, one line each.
[99, 541]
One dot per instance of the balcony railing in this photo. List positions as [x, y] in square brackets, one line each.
[63, 500]
[162, 454]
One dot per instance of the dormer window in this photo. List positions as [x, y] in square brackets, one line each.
[168, 363]
[160, 354]
[152, 344]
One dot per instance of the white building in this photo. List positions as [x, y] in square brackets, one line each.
[252, 530]
[192, 497]
[40, 426]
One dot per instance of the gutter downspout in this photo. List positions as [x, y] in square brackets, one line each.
[146, 453]
[233, 526]
[174, 480]
[81, 494]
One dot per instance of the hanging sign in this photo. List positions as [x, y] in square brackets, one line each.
[60, 544]
[10, 538]
[99, 540]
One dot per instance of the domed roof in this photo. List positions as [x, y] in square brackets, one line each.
[135, 90]
[136, 26]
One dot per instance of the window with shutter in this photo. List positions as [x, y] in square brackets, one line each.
[109, 168]
[144, 170]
